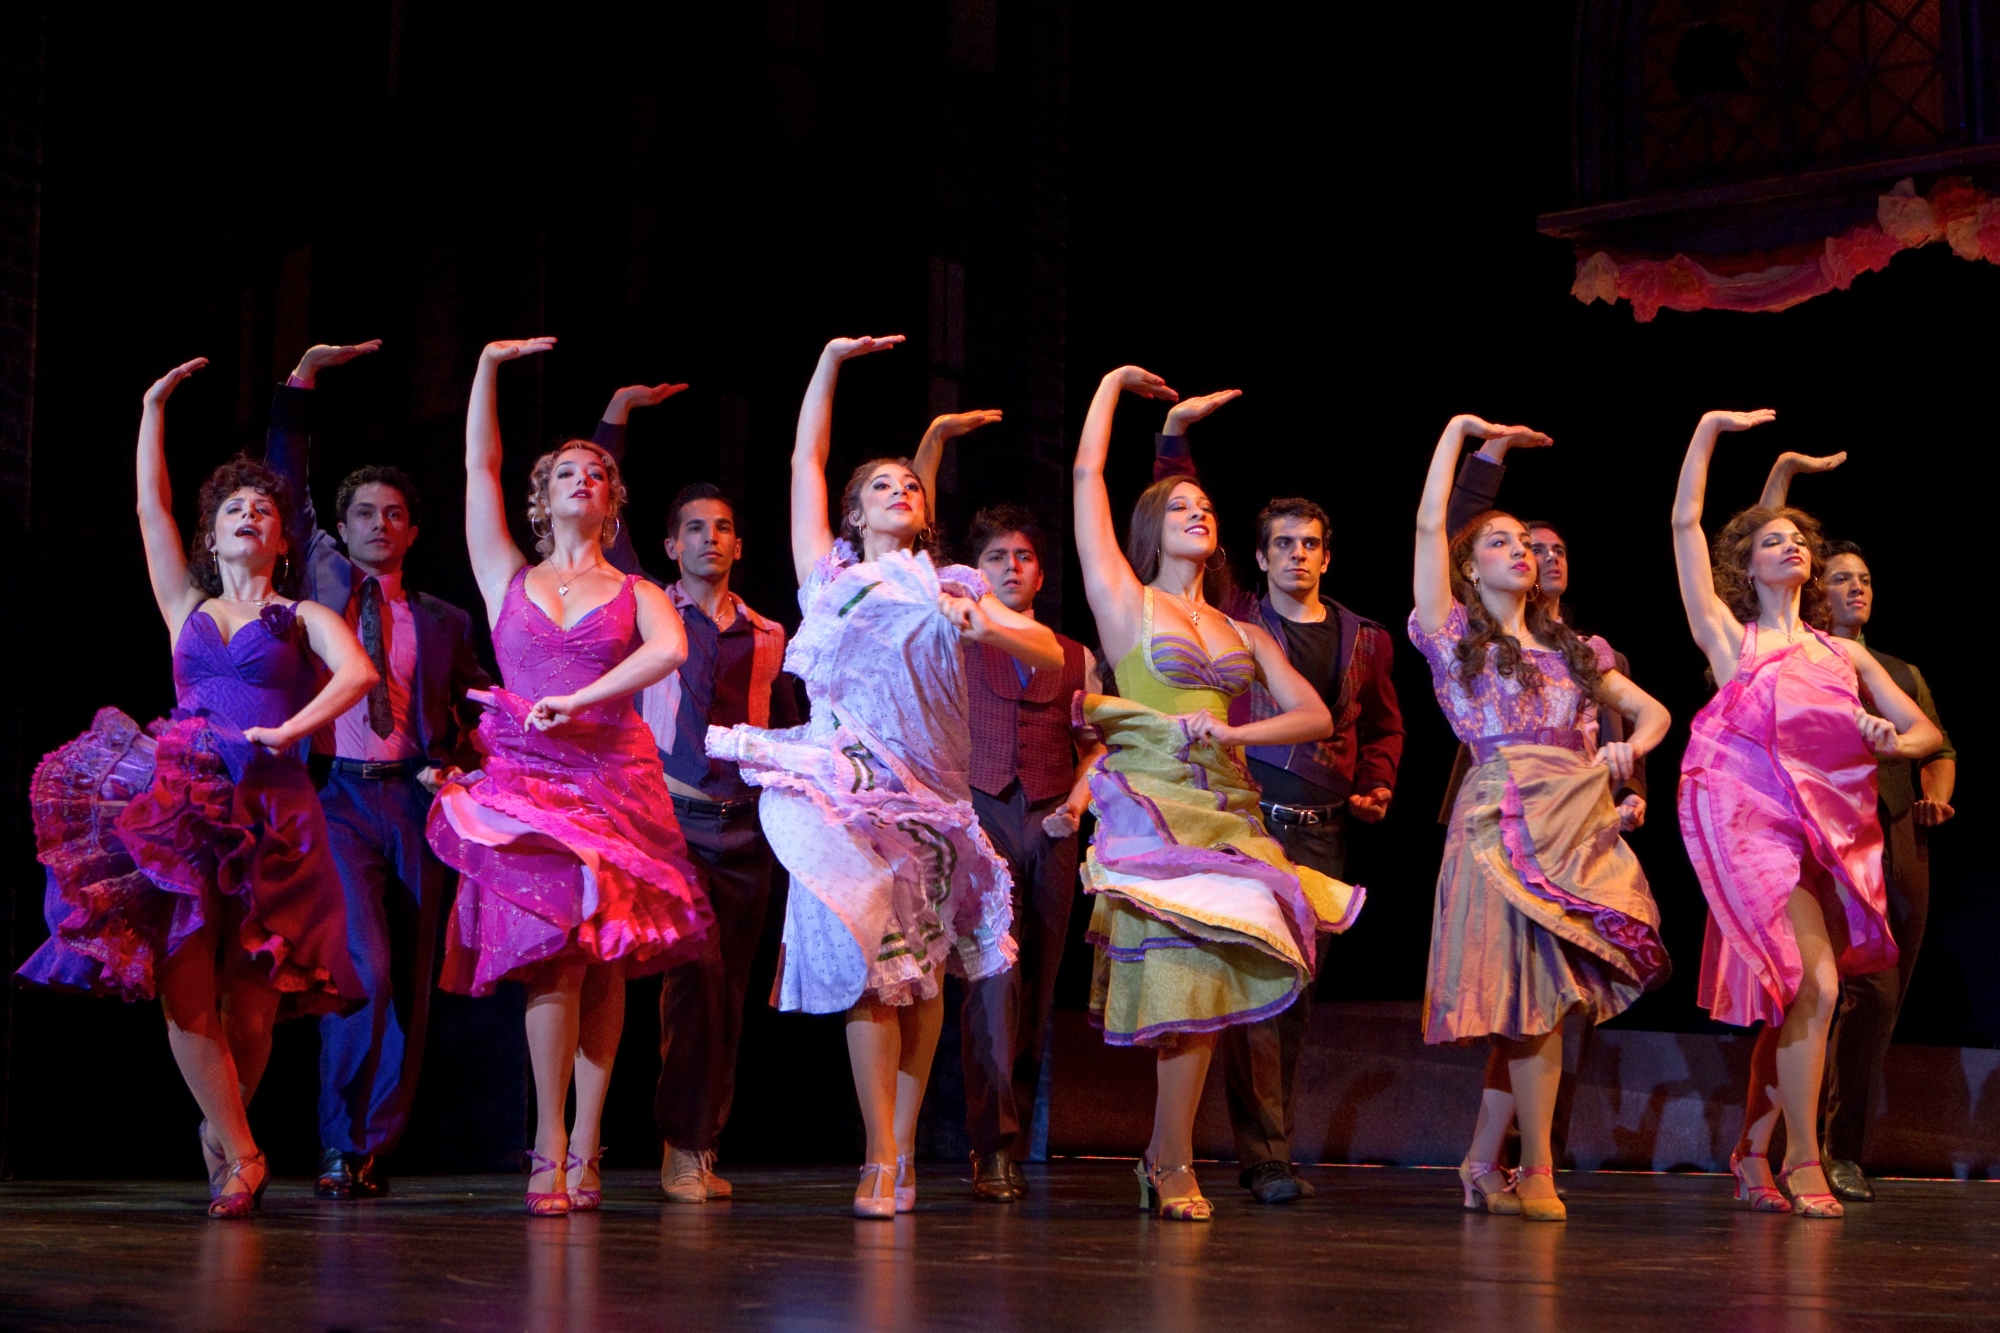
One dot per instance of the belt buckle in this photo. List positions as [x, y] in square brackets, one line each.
[379, 770]
[1308, 815]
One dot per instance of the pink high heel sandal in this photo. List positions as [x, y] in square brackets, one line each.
[583, 1200]
[1811, 1205]
[550, 1203]
[1761, 1198]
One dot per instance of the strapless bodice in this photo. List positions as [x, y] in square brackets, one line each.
[258, 678]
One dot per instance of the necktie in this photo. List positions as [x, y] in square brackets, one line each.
[380, 720]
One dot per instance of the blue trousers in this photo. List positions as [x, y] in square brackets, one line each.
[368, 1060]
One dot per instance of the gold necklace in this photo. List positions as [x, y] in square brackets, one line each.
[1193, 607]
[562, 588]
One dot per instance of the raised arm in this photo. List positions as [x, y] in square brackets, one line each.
[1778, 486]
[487, 540]
[353, 675]
[930, 450]
[1305, 716]
[166, 558]
[610, 436]
[1478, 486]
[662, 649]
[1171, 457]
[812, 537]
[1716, 630]
[288, 452]
[1108, 581]
[1432, 579]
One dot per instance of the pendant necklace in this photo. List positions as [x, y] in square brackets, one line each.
[562, 588]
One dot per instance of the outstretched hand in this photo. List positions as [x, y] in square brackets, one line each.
[840, 349]
[1796, 464]
[1190, 410]
[511, 349]
[954, 424]
[163, 387]
[324, 355]
[1504, 438]
[1132, 379]
[1730, 421]
[619, 409]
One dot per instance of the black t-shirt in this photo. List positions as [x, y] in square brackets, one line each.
[1314, 650]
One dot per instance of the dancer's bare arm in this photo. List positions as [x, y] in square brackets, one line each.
[812, 537]
[930, 450]
[1305, 716]
[166, 558]
[1646, 720]
[1432, 579]
[1778, 486]
[1113, 589]
[1902, 731]
[1717, 631]
[989, 621]
[662, 649]
[490, 545]
[333, 642]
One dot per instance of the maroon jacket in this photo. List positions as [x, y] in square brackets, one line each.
[1022, 730]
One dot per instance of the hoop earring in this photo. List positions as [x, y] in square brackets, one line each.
[284, 568]
[541, 533]
[1218, 560]
[617, 525]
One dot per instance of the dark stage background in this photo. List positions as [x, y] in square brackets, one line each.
[1327, 209]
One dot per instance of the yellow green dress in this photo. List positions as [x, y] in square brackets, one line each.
[1200, 922]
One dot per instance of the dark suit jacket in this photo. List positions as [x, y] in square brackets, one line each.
[447, 662]
[1472, 494]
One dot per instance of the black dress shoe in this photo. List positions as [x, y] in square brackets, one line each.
[1274, 1182]
[1848, 1181]
[993, 1178]
[370, 1180]
[336, 1180]
[1018, 1176]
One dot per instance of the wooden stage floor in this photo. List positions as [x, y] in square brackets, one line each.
[1379, 1248]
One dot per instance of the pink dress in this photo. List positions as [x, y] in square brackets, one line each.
[1778, 791]
[566, 838]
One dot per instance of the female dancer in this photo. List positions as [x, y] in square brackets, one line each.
[869, 805]
[1200, 921]
[575, 873]
[1541, 907]
[1777, 807]
[190, 860]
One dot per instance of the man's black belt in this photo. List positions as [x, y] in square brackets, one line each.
[379, 770]
[712, 809]
[1306, 815]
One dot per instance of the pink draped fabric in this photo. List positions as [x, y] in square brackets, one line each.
[1778, 791]
[1955, 211]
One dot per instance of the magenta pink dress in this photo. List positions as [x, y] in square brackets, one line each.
[566, 838]
[151, 835]
[1777, 791]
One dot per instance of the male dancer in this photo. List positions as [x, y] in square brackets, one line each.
[382, 761]
[732, 675]
[1030, 785]
[1913, 799]
[1310, 791]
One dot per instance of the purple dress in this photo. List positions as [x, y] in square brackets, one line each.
[566, 838]
[1541, 907]
[150, 835]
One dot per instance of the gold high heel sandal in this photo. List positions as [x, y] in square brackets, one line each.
[1193, 1208]
[1551, 1209]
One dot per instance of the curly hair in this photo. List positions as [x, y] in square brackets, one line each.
[1482, 629]
[850, 502]
[1144, 541]
[241, 473]
[1729, 563]
[377, 474]
[538, 494]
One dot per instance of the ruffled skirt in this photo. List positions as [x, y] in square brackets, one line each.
[569, 852]
[1200, 922]
[1541, 906]
[890, 886]
[148, 839]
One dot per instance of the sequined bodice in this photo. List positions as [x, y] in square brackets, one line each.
[1174, 674]
[539, 657]
[258, 678]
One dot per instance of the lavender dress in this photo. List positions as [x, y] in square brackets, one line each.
[1541, 906]
[151, 834]
[869, 806]
[566, 838]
